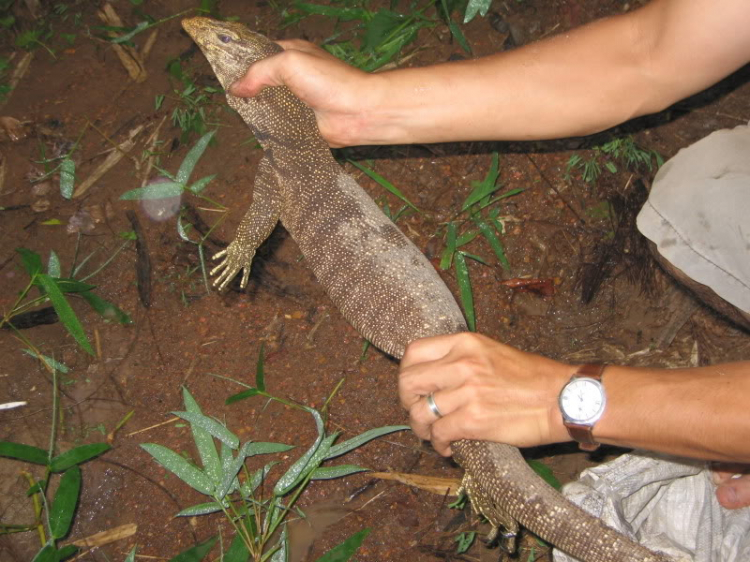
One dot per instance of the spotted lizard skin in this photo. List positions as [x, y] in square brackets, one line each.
[381, 282]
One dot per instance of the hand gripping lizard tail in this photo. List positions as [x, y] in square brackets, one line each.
[381, 282]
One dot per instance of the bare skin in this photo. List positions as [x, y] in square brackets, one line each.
[490, 391]
[574, 84]
[577, 83]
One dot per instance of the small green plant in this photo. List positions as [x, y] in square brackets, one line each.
[623, 150]
[53, 514]
[479, 215]
[377, 36]
[53, 287]
[258, 518]
[180, 183]
[192, 104]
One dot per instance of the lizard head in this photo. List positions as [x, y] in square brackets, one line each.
[229, 47]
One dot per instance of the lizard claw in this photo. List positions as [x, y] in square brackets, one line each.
[236, 258]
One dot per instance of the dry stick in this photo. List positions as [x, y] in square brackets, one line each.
[18, 73]
[128, 56]
[114, 157]
[549, 183]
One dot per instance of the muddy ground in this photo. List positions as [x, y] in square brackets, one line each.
[187, 334]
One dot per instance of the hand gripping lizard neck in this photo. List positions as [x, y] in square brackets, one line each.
[382, 284]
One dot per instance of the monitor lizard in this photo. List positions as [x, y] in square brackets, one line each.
[382, 284]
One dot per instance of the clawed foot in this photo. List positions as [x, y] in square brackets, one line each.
[236, 258]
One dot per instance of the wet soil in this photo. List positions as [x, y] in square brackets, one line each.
[190, 336]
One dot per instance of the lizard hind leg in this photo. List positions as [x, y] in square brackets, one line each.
[254, 228]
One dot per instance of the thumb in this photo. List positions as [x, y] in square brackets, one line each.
[261, 74]
[734, 493]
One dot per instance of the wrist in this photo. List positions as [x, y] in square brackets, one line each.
[558, 433]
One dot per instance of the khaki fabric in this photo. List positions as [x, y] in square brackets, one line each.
[698, 213]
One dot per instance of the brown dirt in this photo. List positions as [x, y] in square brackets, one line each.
[188, 334]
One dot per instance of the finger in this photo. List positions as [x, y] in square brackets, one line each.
[261, 74]
[420, 380]
[427, 349]
[735, 493]
[305, 47]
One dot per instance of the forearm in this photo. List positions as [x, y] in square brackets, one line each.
[700, 412]
[577, 83]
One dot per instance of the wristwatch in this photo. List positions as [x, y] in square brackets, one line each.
[582, 401]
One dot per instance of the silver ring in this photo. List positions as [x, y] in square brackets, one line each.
[432, 406]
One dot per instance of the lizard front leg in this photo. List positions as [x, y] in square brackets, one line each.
[254, 228]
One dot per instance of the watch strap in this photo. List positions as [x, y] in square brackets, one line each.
[584, 433]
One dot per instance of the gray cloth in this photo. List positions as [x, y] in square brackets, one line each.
[666, 504]
[698, 213]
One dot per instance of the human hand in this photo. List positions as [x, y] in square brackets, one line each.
[339, 94]
[485, 390]
[732, 491]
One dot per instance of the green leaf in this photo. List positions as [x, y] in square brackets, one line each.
[200, 509]
[464, 287]
[363, 438]
[196, 553]
[143, 25]
[70, 285]
[331, 472]
[465, 540]
[131, 555]
[67, 177]
[489, 233]
[48, 553]
[345, 550]
[242, 395]
[383, 182]
[53, 264]
[77, 456]
[201, 184]
[48, 360]
[450, 246]
[161, 190]
[454, 29]
[65, 503]
[203, 441]
[237, 551]
[379, 27]
[545, 472]
[65, 312]
[295, 472]
[22, 452]
[213, 427]
[31, 261]
[256, 479]
[188, 473]
[260, 377]
[105, 309]
[265, 448]
[282, 554]
[192, 157]
[67, 551]
[475, 7]
[486, 186]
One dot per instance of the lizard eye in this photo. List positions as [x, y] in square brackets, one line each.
[225, 38]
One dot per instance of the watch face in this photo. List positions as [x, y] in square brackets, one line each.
[582, 401]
